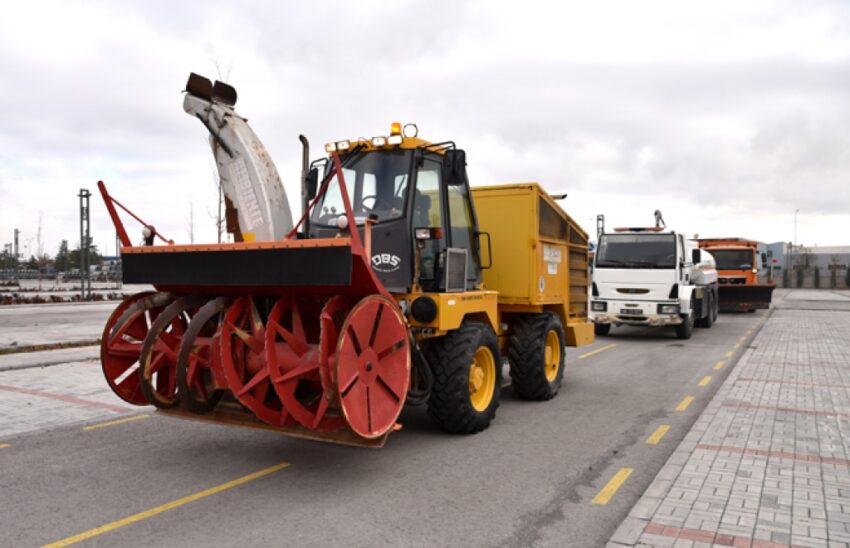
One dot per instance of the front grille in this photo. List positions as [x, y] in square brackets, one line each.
[731, 281]
[632, 290]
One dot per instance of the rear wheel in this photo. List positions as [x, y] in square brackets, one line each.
[536, 355]
[602, 329]
[467, 378]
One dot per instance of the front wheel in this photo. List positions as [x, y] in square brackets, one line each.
[685, 329]
[710, 313]
[467, 378]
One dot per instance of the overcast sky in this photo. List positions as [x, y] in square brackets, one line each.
[727, 116]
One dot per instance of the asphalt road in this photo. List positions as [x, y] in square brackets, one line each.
[25, 325]
[529, 479]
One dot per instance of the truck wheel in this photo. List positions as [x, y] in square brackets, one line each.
[685, 329]
[467, 378]
[602, 329]
[536, 354]
[708, 320]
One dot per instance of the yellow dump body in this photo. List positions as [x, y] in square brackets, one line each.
[539, 256]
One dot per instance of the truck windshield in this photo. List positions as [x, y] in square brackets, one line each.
[636, 251]
[732, 259]
[376, 183]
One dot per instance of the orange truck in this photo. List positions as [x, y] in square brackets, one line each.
[737, 274]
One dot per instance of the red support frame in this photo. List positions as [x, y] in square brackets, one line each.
[110, 203]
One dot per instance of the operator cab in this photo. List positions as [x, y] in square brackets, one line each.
[404, 183]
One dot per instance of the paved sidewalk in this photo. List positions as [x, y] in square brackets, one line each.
[768, 461]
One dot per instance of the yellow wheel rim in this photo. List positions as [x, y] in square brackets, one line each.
[482, 379]
[552, 355]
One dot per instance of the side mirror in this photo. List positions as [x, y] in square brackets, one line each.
[312, 183]
[696, 256]
[454, 167]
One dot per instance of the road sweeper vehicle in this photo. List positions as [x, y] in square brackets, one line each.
[739, 286]
[652, 276]
[400, 284]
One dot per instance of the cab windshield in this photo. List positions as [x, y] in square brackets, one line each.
[733, 259]
[376, 182]
[636, 251]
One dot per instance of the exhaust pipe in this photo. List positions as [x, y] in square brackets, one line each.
[305, 174]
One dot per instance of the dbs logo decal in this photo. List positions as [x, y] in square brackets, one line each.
[386, 262]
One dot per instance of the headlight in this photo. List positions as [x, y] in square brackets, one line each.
[394, 140]
[668, 308]
[379, 141]
[599, 306]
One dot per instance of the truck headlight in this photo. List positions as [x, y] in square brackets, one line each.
[598, 306]
[668, 308]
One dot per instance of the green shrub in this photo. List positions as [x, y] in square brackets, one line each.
[817, 276]
[847, 277]
[833, 278]
[800, 277]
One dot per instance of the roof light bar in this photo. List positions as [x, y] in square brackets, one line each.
[394, 139]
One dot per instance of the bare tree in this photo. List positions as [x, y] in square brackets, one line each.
[40, 250]
[191, 223]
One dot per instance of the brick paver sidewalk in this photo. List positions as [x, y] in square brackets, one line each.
[768, 461]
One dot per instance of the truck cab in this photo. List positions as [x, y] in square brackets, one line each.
[653, 277]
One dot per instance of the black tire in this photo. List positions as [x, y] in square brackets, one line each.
[527, 355]
[685, 329]
[601, 329]
[451, 356]
[708, 320]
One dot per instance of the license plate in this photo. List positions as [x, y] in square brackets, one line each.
[631, 312]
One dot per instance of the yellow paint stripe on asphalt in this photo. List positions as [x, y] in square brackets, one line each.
[597, 351]
[165, 507]
[684, 403]
[4, 445]
[719, 365]
[603, 496]
[112, 423]
[705, 380]
[737, 345]
[729, 354]
[658, 434]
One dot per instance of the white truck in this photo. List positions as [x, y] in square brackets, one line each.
[654, 277]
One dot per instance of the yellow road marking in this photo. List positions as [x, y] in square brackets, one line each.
[603, 496]
[658, 434]
[4, 445]
[684, 403]
[112, 423]
[165, 507]
[737, 345]
[742, 339]
[729, 354]
[597, 351]
[705, 380]
[719, 365]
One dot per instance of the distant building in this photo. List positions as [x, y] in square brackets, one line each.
[797, 266]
